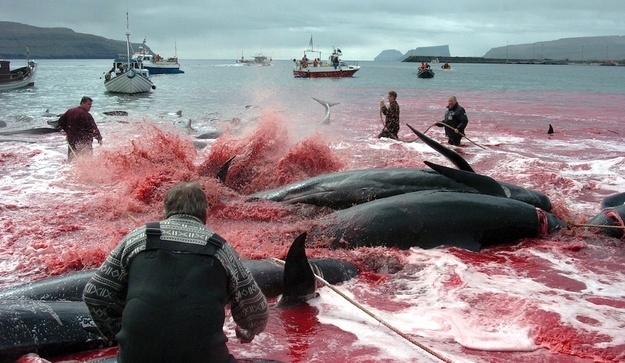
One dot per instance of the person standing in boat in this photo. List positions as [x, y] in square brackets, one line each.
[455, 121]
[80, 129]
[163, 290]
[391, 124]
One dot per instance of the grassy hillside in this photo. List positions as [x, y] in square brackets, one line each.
[55, 43]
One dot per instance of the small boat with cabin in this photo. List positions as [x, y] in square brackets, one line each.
[156, 64]
[334, 67]
[17, 78]
[128, 76]
[259, 60]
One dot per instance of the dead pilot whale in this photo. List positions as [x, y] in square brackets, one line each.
[345, 189]
[33, 131]
[48, 317]
[612, 216]
[434, 218]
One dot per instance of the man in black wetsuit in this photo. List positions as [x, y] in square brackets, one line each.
[162, 291]
[456, 120]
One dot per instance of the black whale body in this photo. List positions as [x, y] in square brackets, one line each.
[345, 189]
[430, 219]
[48, 317]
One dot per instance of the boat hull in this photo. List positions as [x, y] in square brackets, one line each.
[18, 78]
[155, 69]
[425, 73]
[319, 72]
[130, 82]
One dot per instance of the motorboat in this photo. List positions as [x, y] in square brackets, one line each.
[128, 76]
[446, 67]
[17, 78]
[313, 66]
[259, 60]
[425, 73]
[155, 64]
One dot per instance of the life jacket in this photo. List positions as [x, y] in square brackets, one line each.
[175, 303]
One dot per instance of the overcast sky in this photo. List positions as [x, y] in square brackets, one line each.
[202, 29]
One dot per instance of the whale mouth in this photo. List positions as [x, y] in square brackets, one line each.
[616, 218]
[543, 222]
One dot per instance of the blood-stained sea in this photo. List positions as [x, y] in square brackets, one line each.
[560, 298]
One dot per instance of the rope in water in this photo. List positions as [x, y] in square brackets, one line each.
[573, 224]
[380, 320]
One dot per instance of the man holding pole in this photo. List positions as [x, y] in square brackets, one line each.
[455, 121]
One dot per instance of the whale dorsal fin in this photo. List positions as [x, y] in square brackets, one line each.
[299, 279]
[223, 171]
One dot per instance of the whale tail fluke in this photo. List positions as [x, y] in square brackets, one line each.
[324, 103]
[327, 105]
[299, 279]
[189, 127]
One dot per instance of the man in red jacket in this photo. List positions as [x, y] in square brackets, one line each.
[80, 128]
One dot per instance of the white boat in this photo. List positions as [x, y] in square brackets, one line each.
[128, 76]
[334, 67]
[259, 60]
[17, 78]
[156, 64]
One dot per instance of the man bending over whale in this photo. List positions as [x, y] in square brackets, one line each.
[161, 293]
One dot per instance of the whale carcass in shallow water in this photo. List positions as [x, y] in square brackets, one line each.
[48, 317]
[612, 216]
[429, 219]
[348, 188]
[33, 131]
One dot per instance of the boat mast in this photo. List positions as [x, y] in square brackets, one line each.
[127, 42]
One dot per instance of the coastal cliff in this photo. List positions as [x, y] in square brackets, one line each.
[55, 43]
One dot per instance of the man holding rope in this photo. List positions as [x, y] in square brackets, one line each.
[391, 125]
[455, 121]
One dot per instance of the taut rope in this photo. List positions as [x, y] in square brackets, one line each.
[380, 320]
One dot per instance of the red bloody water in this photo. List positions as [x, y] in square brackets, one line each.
[565, 290]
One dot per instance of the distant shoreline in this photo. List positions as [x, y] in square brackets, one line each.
[429, 59]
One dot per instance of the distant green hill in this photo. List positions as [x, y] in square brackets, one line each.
[601, 48]
[56, 43]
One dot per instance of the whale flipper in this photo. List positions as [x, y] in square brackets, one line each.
[483, 183]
